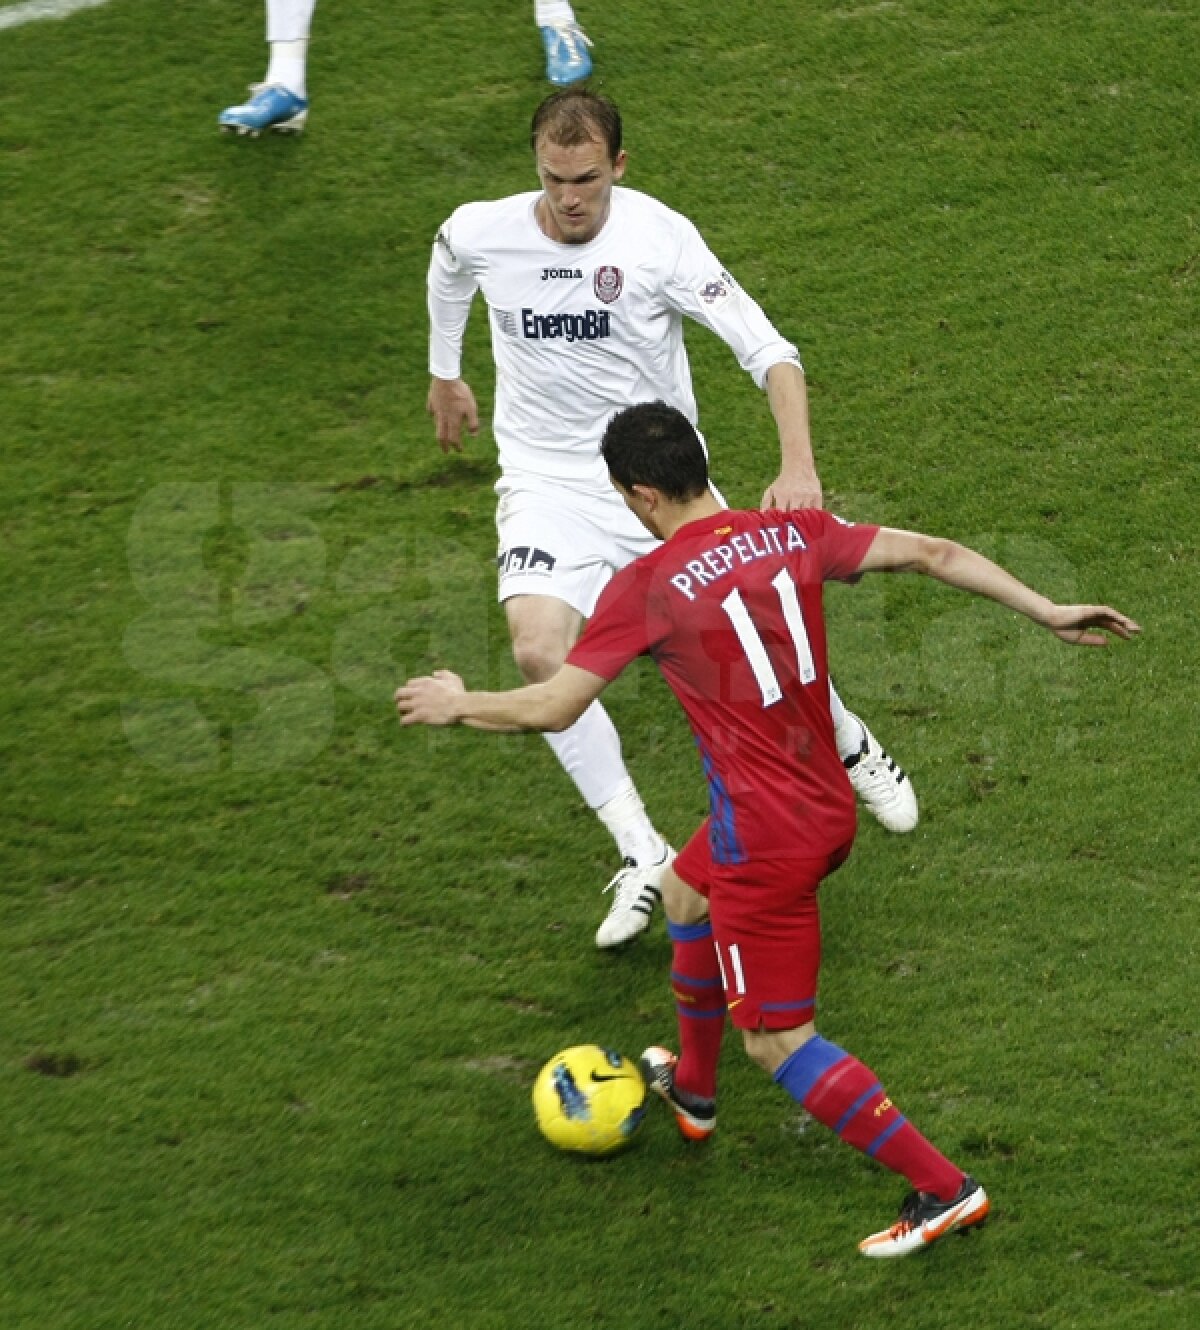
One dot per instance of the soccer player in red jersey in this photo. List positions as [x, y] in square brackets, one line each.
[729, 607]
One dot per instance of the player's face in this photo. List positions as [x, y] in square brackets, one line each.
[577, 185]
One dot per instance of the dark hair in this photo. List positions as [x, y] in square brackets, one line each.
[573, 116]
[655, 444]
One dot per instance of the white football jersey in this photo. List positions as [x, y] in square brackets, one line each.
[580, 331]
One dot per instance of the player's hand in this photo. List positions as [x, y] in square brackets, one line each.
[1071, 623]
[451, 403]
[793, 489]
[430, 699]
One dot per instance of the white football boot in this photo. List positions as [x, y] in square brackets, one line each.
[881, 783]
[924, 1219]
[635, 893]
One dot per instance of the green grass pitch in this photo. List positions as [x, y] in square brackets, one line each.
[275, 976]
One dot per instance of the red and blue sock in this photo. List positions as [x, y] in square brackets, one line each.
[844, 1095]
[700, 1006]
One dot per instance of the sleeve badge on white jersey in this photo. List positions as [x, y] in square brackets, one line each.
[717, 290]
[608, 283]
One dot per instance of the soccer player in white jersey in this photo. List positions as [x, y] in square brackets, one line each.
[587, 284]
[280, 102]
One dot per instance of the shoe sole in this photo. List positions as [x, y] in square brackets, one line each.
[689, 1128]
[293, 126]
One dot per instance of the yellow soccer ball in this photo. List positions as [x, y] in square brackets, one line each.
[589, 1099]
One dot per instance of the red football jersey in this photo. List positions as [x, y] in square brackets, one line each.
[730, 609]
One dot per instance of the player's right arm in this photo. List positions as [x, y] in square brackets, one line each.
[451, 288]
[554, 704]
[956, 565]
[622, 628]
[452, 405]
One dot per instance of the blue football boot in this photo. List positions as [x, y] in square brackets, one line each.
[567, 59]
[271, 107]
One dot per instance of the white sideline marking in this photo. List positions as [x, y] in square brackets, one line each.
[33, 10]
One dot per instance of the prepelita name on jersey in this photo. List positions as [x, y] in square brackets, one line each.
[744, 547]
[591, 326]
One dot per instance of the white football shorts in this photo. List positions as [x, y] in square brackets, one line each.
[564, 541]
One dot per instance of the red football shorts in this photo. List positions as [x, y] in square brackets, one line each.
[767, 930]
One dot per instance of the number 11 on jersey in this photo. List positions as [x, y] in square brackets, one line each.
[755, 648]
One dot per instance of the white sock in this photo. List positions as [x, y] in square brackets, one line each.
[590, 753]
[289, 20]
[552, 13]
[625, 817]
[288, 25]
[848, 730]
[289, 66]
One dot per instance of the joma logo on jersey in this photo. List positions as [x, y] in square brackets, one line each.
[590, 327]
[525, 559]
[550, 274]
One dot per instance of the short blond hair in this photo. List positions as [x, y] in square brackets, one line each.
[573, 116]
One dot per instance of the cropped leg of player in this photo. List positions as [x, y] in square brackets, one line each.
[543, 630]
[882, 785]
[565, 42]
[769, 938]
[763, 923]
[839, 1091]
[280, 102]
[768, 928]
[688, 1083]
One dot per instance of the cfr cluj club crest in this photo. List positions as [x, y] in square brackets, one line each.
[608, 283]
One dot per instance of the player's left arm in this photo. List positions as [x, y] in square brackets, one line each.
[705, 291]
[442, 699]
[908, 551]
